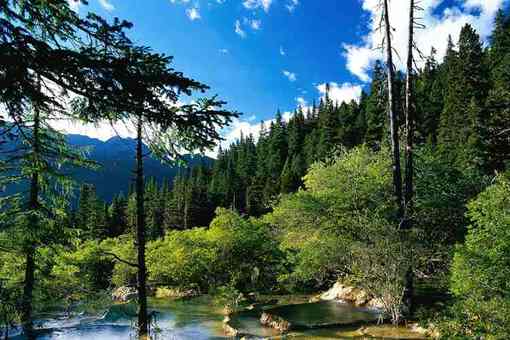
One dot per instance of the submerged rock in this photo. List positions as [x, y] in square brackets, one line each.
[275, 322]
[124, 294]
[316, 315]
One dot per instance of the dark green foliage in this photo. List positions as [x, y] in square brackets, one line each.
[430, 96]
[462, 121]
[376, 104]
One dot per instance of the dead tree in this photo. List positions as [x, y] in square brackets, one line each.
[410, 112]
[392, 114]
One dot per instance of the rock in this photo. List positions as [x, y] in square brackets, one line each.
[124, 294]
[175, 293]
[349, 294]
[229, 330]
[252, 297]
[275, 322]
[431, 331]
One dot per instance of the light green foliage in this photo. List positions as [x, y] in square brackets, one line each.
[481, 266]
[380, 264]
[123, 247]
[87, 267]
[319, 226]
[233, 250]
[181, 258]
[343, 226]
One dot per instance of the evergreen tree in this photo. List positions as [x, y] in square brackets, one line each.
[117, 212]
[376, 107]
[429, 97]
[466, 83]
[498, 101]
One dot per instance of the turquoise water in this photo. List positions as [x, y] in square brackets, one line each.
[195, 319]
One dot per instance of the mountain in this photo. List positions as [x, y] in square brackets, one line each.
[116, 157]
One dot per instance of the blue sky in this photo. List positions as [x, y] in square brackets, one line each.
[248, 71]
[261, 55]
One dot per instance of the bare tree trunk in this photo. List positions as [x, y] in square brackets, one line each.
[143, 327]
[409, 169]
[410, 116]
[33, 205]
[392, 107]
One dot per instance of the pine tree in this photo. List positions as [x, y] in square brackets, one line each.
[117, 216]
[429, 97]
[376, 107]
[498, 101]
[466, 82]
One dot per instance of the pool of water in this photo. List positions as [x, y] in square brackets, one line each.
[196, 319]
[323, 314]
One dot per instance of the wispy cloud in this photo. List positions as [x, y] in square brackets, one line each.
[107, 5]
[239, 30]
[282, 51]
[290, 75]
[291, 5]
[224, 51]
[255, 24]
[255, 4]
[301, 102]
[193, 14]
[74, 5]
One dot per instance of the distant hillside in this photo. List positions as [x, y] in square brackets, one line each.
[116, 157]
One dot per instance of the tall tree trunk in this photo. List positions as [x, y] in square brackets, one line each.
[409, 169]
[33, 205]
[143, 324]
[392, 113]
[410, 116]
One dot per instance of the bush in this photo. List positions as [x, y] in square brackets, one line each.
[233, 251]
[481, 267]
[318, 227]
[442, 192]
[344, 226]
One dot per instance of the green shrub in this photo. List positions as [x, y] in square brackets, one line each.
[481, 267]
[233, 250]
[344, 226]
[319, 226]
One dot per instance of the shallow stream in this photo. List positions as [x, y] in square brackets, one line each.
[196, 319]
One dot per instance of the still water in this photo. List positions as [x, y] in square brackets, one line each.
[195, 319]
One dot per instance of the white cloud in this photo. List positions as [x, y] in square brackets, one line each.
[255, 24]
[74, 5]
[291, 76]
[224, 51]
[448, 21]
[282, 51]
[193, 13]
[301, 101]
[238, 29]
[341, 93]
[107, 5]
[101, 131]
[255, 4]
[292, 4]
